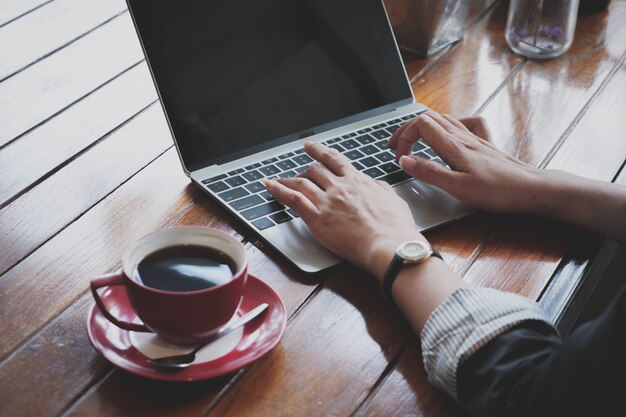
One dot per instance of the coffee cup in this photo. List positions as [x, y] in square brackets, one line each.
[183, 283]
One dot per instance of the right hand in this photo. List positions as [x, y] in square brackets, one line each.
[480, 175]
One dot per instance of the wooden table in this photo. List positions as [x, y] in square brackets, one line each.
[87, 166]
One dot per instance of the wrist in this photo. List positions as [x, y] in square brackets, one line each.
[383, 251]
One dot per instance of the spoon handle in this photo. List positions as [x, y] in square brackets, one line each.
[235, 324]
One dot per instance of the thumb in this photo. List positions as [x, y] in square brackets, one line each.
[428, 171]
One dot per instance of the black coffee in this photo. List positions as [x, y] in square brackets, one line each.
[185, 268]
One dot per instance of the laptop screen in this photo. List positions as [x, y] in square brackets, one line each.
[236, 77]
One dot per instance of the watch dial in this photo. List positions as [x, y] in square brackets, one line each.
[413, 250]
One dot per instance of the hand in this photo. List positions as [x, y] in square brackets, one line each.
[357, 218]
[480, 174]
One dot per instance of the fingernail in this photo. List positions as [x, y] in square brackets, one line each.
[407, 163]
[267, 183]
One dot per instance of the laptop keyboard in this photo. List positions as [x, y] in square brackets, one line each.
[366, 148]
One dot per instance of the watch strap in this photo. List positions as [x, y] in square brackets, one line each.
[396, 264]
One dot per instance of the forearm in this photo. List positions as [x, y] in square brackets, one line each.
[419, 290]
[594, 205]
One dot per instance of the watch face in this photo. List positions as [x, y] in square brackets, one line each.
[414, 251]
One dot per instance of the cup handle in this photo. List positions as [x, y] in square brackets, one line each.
[116, 278]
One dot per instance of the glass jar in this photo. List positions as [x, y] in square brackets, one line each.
[541, 29]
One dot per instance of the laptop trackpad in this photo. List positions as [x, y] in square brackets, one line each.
[430, 206]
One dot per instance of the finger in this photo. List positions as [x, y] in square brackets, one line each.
[292, 198]
[479, 127]
[305, 186]
[429, 171]
[393, 140]
[441, 120]
[320, 175]
[335, 161]
[431, 132]
[407, 138]
[455, 122]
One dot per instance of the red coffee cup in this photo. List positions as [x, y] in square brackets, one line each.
[182, 317]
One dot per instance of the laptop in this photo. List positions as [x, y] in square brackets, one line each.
[244, 83]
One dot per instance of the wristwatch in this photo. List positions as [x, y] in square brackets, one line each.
[412, 252]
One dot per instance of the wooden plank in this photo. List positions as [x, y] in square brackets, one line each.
[55, 274]
[407, 392]
[13, 9]
[48, 360]
[53, 204]
[41, 91]
[50, 28]
[329, 358]
[544, 98]
[599, 136]
[60, 139]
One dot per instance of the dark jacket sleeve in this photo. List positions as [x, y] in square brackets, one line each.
[529, 371]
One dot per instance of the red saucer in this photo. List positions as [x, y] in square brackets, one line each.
[259, 336]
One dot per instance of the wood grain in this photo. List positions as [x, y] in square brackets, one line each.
[56, 202]
[600, 136]
[472, 72]
[55, 274]
[523, 116]
[53, 144]
[346, 334]
[39, 92]
[50, 28]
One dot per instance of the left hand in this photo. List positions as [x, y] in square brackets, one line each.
[356, 217]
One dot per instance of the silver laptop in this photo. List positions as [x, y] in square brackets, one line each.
[244, 83]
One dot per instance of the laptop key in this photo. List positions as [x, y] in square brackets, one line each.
[253, 166]
[252, 175]
[281, 217]
[266, 195]
[373, 172]
[301, 169]
[235, 181]
[217, 187]
[395, 177]
[269, 170]
[392, 129]
[286, 165]
[293, 213]
[262, 210]
[418, 146]
[269, 161]
[353, 154]
[337, 146]
[430, 152]
[379, 126]
[285, 156]
[385, 156]
[247, 202]
[335, 140]
[255, 187]
[390, 167]
[263, 223]
[299, 151]
[350, 144]
[233, 194]
[365, 139]
[302, 159]
[369, 162]
[358, 166]
[369, 149]
[381, 134]
[213, 179]
[287, 174]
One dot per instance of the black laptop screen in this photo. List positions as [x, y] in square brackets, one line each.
[234, 76]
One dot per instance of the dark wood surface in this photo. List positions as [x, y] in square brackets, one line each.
[87, 166]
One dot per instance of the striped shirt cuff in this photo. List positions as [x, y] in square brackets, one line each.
[467, 320]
